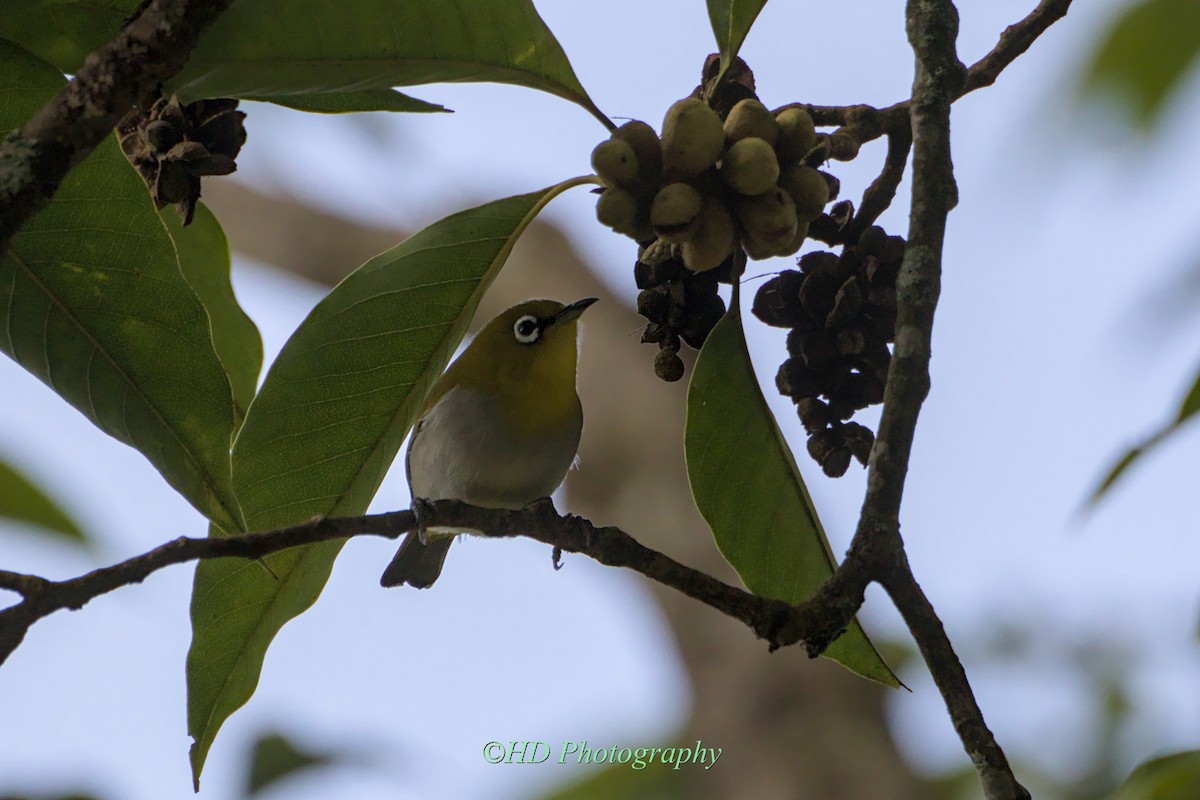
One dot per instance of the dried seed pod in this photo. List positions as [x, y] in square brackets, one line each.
[872, 240]
[795, 380]
[174, 183]
[832, 184]
[817, 294]
[162, 135]
[846, 303]
[702, 317]
[615, 162]
[836, 462]
[653, 333]
[850, 342]
[855, 389]
[807, 189]
[713, 241]
[692, 139]
[813, 347]
[654, 304]
[648, 275]
[675, 212]
[769, 220]
[820, 262]
[859, 439]
[749, 166]
[892, 251]
[814, 415]
[777, 301]
[829, 449]
[646, 146]
[618, 209]
[750, 118]
[797, 135]
[668, 365]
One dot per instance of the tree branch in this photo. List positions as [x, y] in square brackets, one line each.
[773, 620]
[859, 124]
[148, 51]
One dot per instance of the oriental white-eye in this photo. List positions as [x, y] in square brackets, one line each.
[499, 429]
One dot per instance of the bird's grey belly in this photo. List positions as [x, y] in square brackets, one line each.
[456, 455]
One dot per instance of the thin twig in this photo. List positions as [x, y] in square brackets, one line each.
[149, 50]
[1015, 40]
[859, 124]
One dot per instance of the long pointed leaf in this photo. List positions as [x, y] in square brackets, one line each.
[316, 55]
[204, 260]
[92, 302]
[731, 21]
[268, 48]
[22, 500]
[750, 492]
[355, 102]
[329, 419]
[1187, 409]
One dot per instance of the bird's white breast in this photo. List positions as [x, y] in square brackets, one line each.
[463, 449]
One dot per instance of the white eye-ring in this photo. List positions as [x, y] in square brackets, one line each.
[527, 329]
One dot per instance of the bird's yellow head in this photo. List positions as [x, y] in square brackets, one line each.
[526, 357]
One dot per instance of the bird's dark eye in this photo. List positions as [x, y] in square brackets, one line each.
[526, 329]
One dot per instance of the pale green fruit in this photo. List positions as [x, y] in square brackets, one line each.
[692, 139]
[751, 118]
[713, 241]
[617, 208]
[646, 146]
[750, 166]
[675, 213]
[793, 246]
[769, 221]
[808, 189]
[615, 162]
[797, 135]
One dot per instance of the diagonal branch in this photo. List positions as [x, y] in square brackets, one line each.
[148, 51]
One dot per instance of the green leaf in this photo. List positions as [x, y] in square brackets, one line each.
[1145, 56]
[22, 501]
[354, 102]
[63, 32]
[92, 302]
[731, 21]
[204, 260]
[750, 492]
[272, 48]
[1171, 777]
[275, 757]
[329, 419]
[1187, 409]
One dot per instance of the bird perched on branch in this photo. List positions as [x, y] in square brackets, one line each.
[499, 429]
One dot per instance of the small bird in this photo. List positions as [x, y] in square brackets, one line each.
[499, 429]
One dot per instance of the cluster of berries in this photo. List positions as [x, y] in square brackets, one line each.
[707, 186]
[842, 314]
[698, 193]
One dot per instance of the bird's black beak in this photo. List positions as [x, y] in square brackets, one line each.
[572, 312]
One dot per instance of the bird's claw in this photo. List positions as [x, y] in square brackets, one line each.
[422, 509]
